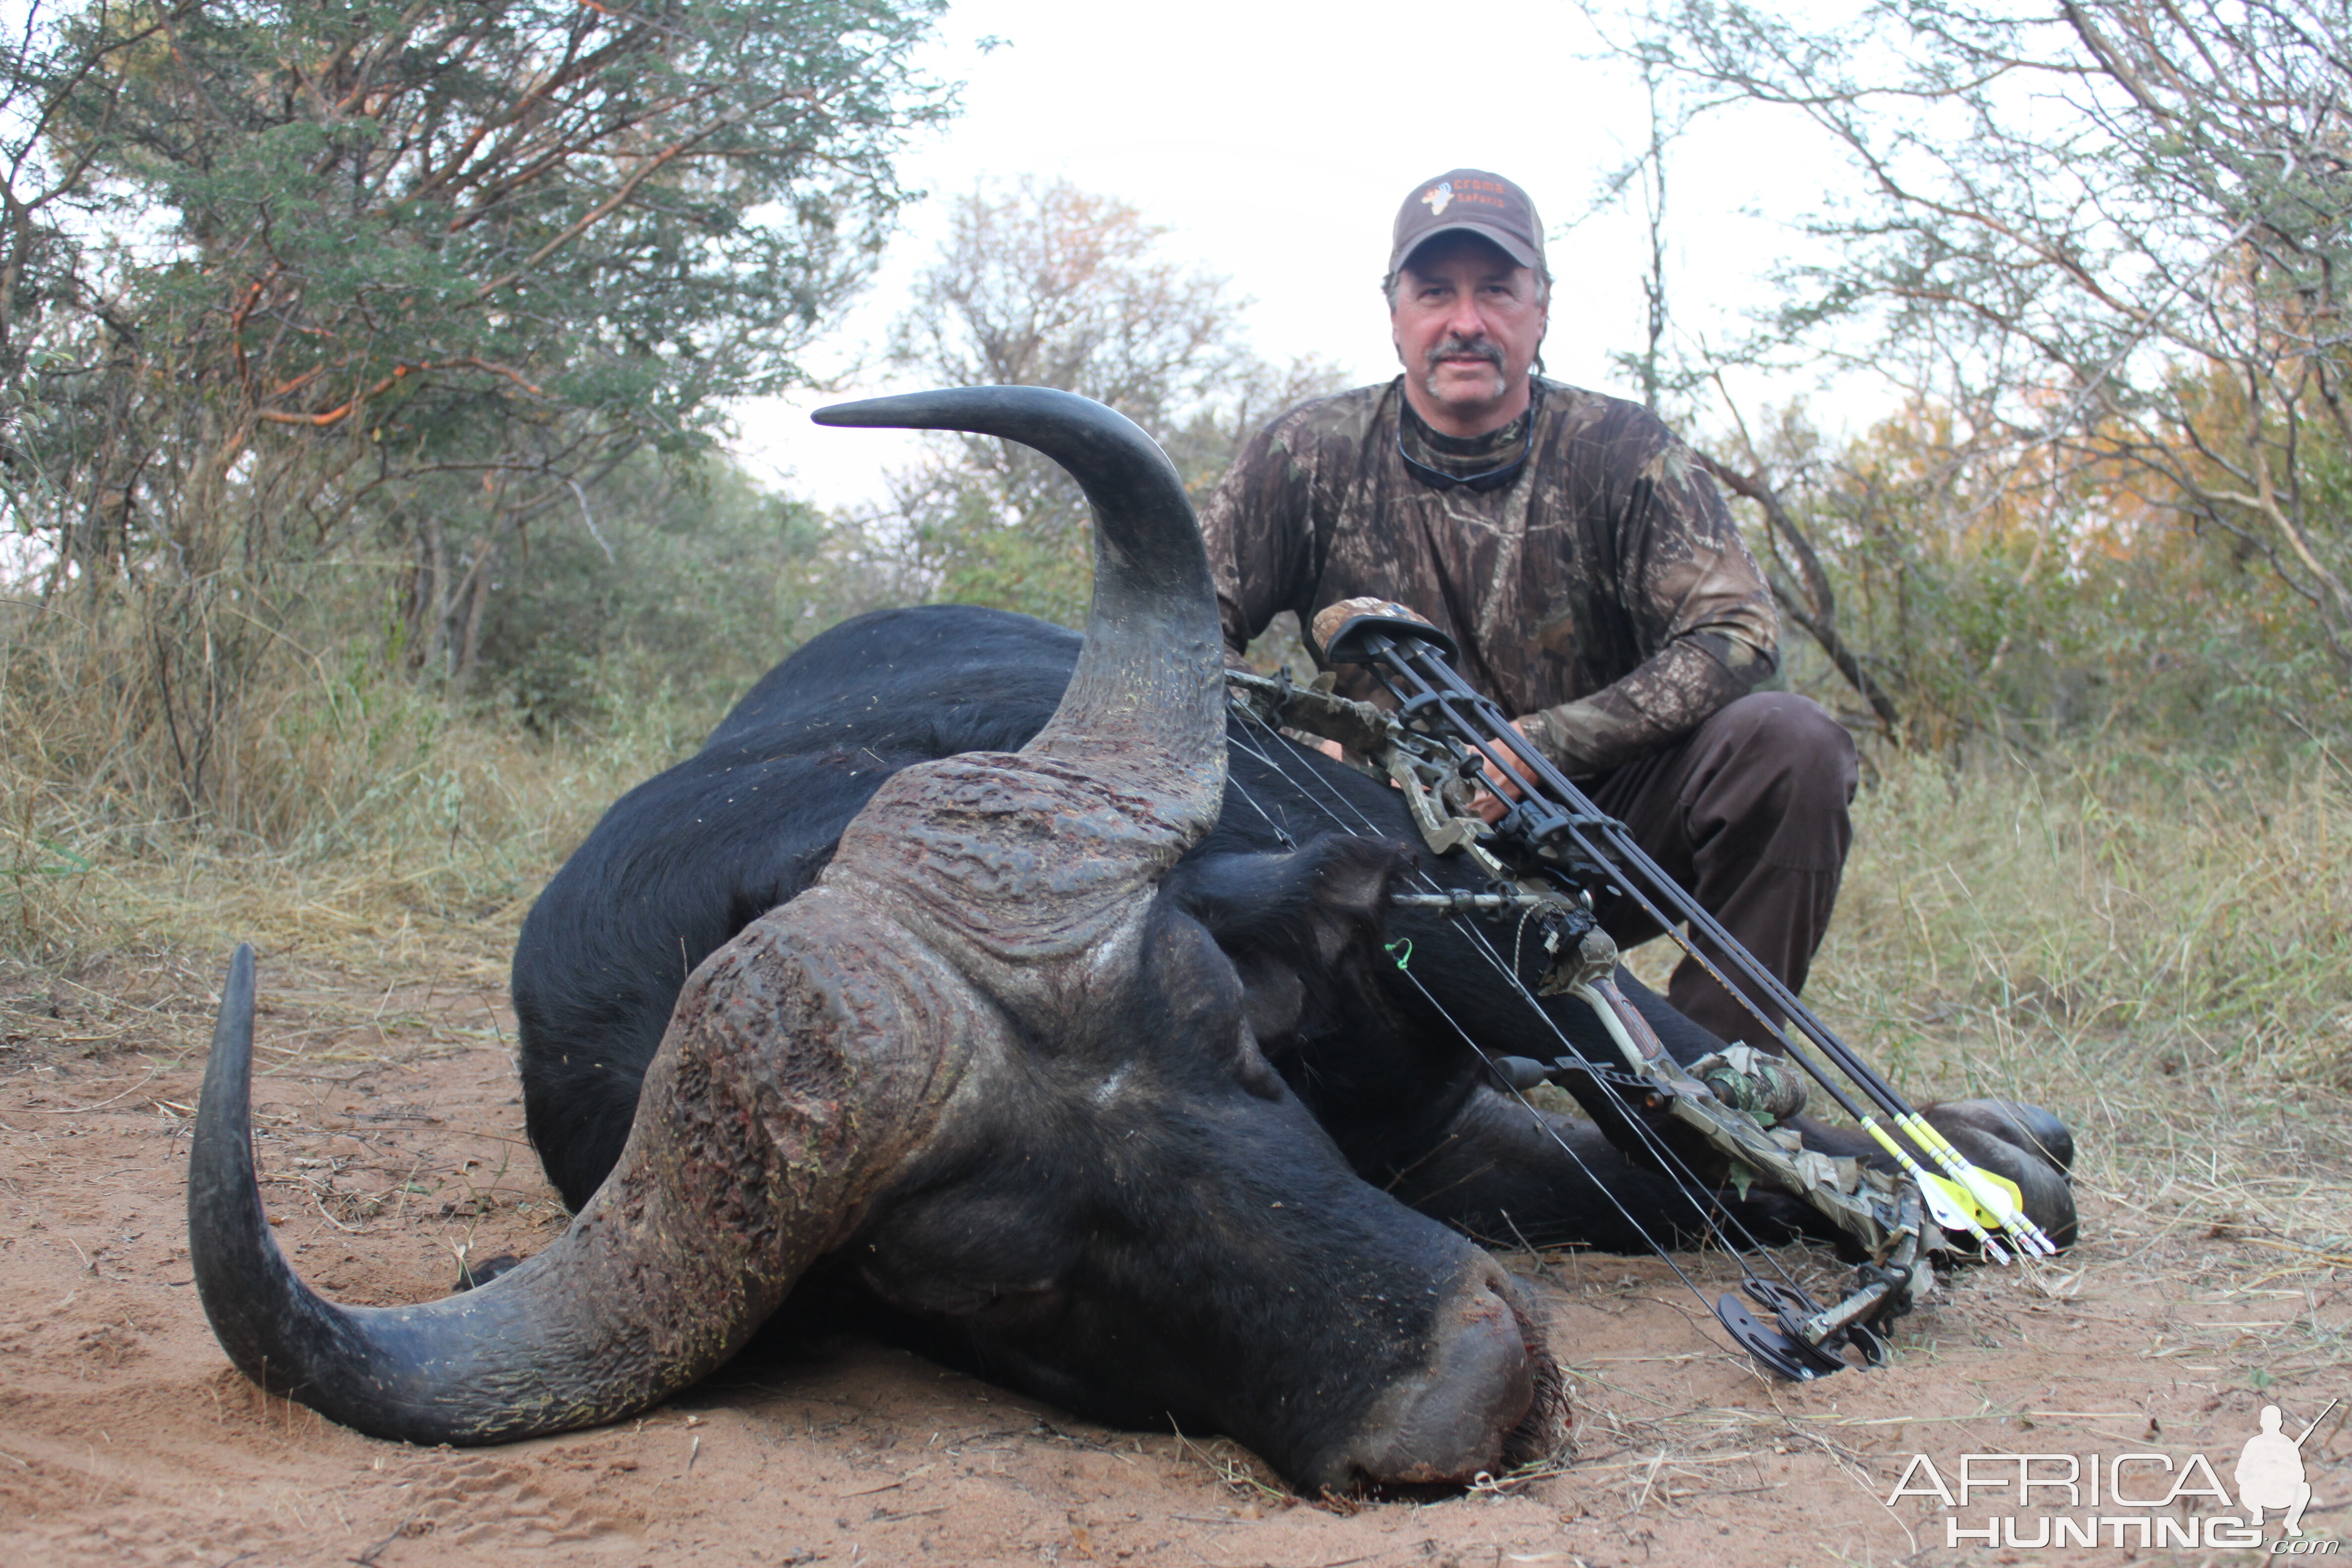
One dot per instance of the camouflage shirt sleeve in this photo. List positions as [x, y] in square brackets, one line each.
[1259, 530]
[1701, 610]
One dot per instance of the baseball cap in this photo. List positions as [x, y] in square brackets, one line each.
[1475, 202]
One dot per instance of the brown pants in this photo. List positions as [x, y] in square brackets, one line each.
[1749, 814]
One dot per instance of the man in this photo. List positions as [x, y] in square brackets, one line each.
[1583, 563]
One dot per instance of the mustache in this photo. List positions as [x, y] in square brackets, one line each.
[1480, 347]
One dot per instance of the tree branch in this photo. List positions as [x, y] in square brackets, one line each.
[1819, 617]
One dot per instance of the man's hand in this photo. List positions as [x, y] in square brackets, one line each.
[1331, 617]
[1504, 787]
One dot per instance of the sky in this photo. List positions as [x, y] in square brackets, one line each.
[1274, 140]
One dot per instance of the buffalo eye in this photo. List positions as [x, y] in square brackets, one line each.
[1256, 1074]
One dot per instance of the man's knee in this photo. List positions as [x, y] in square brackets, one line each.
[1779, 734]
[1772, 778]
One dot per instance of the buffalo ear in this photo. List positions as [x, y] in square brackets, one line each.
[1291, 922]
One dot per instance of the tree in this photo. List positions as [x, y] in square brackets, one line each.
[2114, 239]
[41, 74]
[1961, 610]
[706, 584]
[408, 277]
[1046, 285]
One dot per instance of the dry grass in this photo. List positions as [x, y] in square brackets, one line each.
[353, 818]
[2163, 958]
[2109, 909]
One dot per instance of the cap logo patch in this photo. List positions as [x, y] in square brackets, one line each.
[1439, 196]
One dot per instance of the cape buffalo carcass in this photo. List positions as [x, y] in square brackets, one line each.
[1054, 1076]
[991, 1061]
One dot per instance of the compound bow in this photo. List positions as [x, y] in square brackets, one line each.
[1548, 857]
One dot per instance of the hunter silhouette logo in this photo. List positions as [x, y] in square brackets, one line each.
[2269, 1471]
[1439, 196]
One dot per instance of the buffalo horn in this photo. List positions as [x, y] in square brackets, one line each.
[1146, 705]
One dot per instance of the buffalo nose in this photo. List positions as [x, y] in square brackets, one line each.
[1452, 1421]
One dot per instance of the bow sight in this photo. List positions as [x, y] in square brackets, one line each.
[1549, 858]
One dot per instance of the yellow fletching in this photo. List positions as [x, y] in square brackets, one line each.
[1961, 1199]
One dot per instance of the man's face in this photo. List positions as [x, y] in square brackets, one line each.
[1468, 322]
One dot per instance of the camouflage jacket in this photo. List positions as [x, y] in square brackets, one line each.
[1602, 595]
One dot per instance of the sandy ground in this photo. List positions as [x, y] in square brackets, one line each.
[391, 1139]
